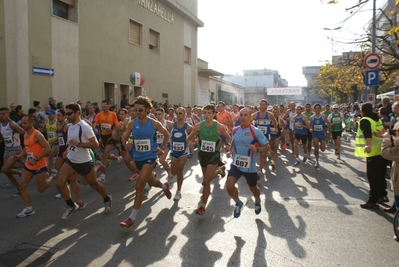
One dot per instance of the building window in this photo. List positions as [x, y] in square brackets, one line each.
[187, 55]
[66, 9]
[135, 32]
[154, 41]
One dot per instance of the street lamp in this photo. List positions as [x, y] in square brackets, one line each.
[332, 39]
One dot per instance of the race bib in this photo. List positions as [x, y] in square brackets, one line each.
[318, 128]
[242, 161]
[7, 140]
[336, 120]
[160, 138]
[178, 146]
[142, 145]
[61, 141]
[72, 148]
[29, 155]
[298, 125]
[105, 127]
[263, 129]
[272, 129]
[208, 146]
[50, 135]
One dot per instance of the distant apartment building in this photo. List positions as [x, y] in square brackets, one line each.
[87, 49]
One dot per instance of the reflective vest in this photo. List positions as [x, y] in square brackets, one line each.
[360, 141]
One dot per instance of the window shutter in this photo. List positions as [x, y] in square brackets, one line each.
[134, 33]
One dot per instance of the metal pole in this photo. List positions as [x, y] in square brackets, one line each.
[373, 33]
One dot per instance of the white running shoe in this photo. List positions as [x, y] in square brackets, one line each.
[177, 196]
[119, 162]
[58, 196]
[108, 205]
[69, 210]
[101, 178]
[26, 212]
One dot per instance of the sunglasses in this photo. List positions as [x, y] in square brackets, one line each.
[179, 113]
[138, 110]
[68, 113]
[158, 114]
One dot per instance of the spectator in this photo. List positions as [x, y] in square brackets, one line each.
[19, 113]
[124, 101]
[52, 102]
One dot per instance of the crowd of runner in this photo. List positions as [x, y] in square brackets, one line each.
[64, 141]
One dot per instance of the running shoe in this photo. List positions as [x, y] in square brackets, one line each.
[222, 171]
[190, 156]
[259, 174]
[17, 194]
[338, 156]
[316, 165]
[273, 164]
[101, 178]
[237, 209]
[166, 191]
[108, 205]
[134, 177]
[200, 210]
[58, 195]
[101, 166]
[119, 162]
[54, 173]
[258, 208]
[297, 162]
[369, 205]
[305, 158]
[69, 210]
[127, 223]
[146, 189]
[26, 212]
[177, 196]
[81, 205]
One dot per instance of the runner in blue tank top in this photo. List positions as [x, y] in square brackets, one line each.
[145, 152]
[179, 154]
[247, 142]
[264, 120]
[301, 123]
[319, 126]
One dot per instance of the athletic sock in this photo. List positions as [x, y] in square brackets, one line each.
[203, 205]
[163, 187]
[106, 199]
[70, 203]
[238, 202]
[133, 214]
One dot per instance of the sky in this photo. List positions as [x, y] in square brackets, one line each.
[282, 35]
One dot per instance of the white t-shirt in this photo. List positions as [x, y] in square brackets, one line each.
[81, 132]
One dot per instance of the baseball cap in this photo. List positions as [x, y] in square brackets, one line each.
[269, 108]
[50, 112]
[335, 106]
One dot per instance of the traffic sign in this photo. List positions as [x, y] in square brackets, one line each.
[372, 61]
[372, 77]
[42, 71]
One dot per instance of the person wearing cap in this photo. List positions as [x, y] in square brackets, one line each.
[52, 136]
[337, 120]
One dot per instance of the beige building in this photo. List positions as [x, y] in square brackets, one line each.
[87, 49]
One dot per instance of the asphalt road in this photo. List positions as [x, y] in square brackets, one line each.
[310, 217]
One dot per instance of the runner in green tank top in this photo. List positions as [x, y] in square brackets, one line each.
[336, 119]
[208, 132]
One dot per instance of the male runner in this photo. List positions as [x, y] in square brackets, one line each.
[11, 133]
[209, 132]
[247, 140]
[319, 127]
[145, 149]
[336, 119]
[300, 123]
[36, 150]
[81, 139]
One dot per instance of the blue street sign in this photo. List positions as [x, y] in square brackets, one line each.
[42, 71]
[372, 77]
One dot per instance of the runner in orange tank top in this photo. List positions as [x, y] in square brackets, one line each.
[36, 150]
